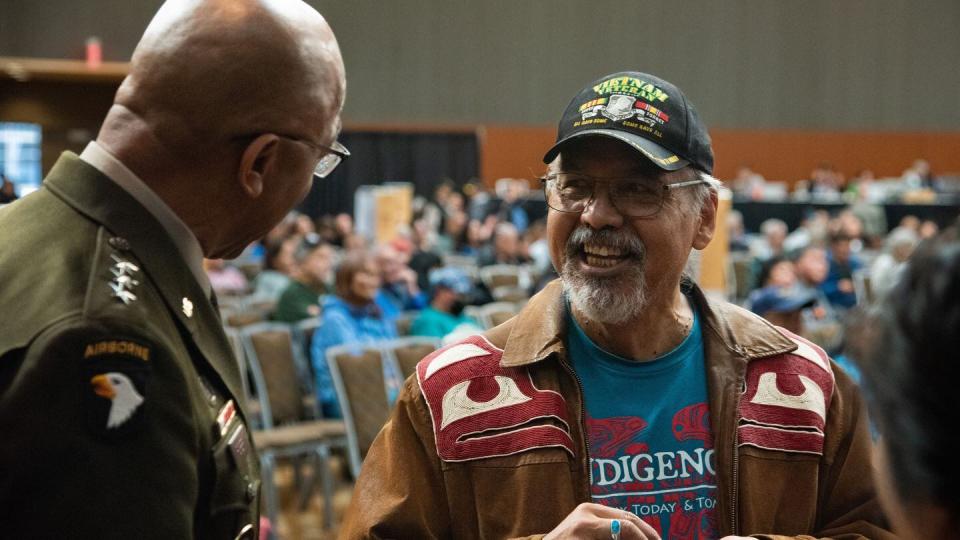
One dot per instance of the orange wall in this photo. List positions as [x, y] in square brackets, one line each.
[515, 151]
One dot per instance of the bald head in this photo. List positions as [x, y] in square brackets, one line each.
[227, 107]
[205, 70]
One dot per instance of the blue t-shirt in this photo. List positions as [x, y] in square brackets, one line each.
[650, 442]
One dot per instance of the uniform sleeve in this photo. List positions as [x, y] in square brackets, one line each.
[400, 492]
[97, 440]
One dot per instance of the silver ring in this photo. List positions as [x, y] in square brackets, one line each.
[615, 529]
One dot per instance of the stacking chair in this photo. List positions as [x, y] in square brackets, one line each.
[500, 275]
[493, 314]
[408, 351]
[360, 386]
[509, 293]
[405, 322]
[288, 430]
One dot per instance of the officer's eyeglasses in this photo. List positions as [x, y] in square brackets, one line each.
[333, 155]
[632, 197]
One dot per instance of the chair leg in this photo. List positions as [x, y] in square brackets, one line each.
[306, 484]
[324, 469]
[267, 466]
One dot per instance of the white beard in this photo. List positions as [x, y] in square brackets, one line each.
[613, 300]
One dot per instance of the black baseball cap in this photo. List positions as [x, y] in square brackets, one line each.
[646, 112]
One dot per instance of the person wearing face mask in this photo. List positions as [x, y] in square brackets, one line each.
[350, 316]
[450, 291]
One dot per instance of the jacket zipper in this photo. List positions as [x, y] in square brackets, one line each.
[583, 424]
[736, 460]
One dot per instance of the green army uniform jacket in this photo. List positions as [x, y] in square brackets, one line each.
[119, 393]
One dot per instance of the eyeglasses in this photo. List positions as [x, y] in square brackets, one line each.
[333, 155]
[632, 197]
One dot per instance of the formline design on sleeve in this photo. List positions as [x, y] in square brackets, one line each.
[481, 410]
[786, 400]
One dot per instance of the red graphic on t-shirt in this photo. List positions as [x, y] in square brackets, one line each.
[653, 483]
[615, 435]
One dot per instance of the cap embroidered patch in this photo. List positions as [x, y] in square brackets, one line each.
[114, 376]
[648, 113]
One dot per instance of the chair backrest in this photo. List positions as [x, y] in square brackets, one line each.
[240, 319]
[273, 364]
[359, 383]
[302, 336]
[500, 275]
[497, 313]
[405, 322]
[510, 294]
[408, 351]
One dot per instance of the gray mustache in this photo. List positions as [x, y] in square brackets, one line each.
[619, 240]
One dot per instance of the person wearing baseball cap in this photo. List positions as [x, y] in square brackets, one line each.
[621, 402]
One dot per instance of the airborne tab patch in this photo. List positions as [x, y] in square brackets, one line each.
[481, 410]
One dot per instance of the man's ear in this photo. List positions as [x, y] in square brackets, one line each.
[707, 222]
[258, 158]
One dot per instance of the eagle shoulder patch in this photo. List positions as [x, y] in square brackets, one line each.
[114, 376]
[482, 410]
[786, 400]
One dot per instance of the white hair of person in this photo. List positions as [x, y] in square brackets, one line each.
[773, 225]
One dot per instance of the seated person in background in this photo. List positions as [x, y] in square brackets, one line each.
[778, 272]
[505, 249]
[782, 306]
[424, 257]
[887, 267]
[910, 371]
[275, 277]
[770, 244]
[821, 321]
[313, 265]
[838, 287]
[399, 290]
[225, 279]
[350, 316]
[450, 290]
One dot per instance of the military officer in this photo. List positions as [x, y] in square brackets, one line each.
[120, 400]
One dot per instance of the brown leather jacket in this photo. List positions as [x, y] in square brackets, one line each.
[503, 490]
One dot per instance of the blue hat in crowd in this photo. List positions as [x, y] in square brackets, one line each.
[779, 300]
[451, 278]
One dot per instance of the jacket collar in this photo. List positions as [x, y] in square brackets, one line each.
[540, 328]
[89, 192]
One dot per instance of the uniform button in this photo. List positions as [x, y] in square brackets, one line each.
[251, 492]
[246, 533]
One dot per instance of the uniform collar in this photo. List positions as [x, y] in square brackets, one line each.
[540, 328]
[183, 238]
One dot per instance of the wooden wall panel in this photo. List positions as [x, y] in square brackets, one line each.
[513, 151]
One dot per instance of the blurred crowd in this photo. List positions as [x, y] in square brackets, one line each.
[464, 247]
[916, 184]
[816, 278]
[431, 277]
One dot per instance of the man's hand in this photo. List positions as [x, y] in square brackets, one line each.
[593, 521]
[737, 538]
[409, 276]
